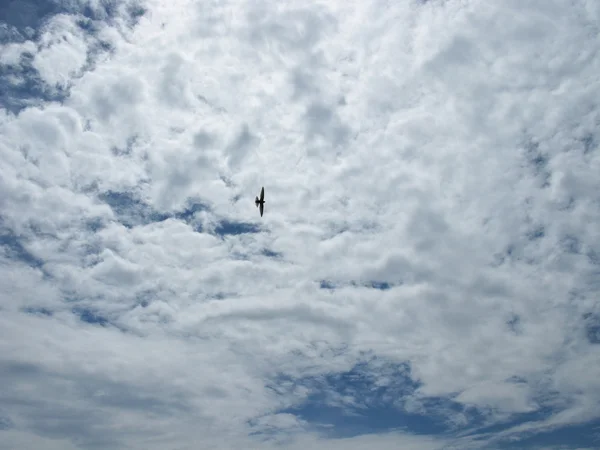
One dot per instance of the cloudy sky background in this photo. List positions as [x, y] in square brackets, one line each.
[427, 271]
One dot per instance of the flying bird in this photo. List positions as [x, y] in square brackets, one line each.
[261, 202]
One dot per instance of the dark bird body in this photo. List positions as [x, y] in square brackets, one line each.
[261, 202]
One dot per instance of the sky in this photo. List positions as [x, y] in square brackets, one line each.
[426, 274]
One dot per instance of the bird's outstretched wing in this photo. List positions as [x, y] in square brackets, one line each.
[262, 194]
[262, 205]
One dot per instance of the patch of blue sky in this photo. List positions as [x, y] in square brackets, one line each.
[229, 227]
[538, 161]
[536, 233]
[271, 254]
[24, 20]
[87, 315]
[14, 248]
[358, 402]
[131, 211]
[593, 257]
[573, 436]
[374, 284]
[5, 423]
[512, 421]
[23, 87]
[514, 323]
[592, 327]
[325, 284]
[381, 285]
[38, 311]
[590, 143]
[188, 214]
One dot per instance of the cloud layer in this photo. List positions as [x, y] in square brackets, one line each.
[427, 271]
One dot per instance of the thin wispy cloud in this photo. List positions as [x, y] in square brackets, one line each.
[427, 270]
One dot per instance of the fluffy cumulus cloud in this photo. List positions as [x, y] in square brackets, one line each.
[427, 270]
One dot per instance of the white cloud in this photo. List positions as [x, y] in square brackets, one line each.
[448, 149]
[63, 51]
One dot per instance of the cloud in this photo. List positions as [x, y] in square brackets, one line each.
[426, 274]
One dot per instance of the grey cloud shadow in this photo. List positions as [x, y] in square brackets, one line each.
[203, 140]
[77, 406]
[172, 81]
[303, 84]
[238, 149]
[301, 313]
[298, 30]
[128, 149]
[322, 120]
[427, 228]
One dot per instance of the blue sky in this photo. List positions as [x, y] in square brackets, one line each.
[426, 274]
